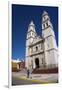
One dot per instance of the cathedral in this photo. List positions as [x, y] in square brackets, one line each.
[41, 51]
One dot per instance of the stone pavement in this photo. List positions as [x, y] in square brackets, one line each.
[39, 77]
[45, 77]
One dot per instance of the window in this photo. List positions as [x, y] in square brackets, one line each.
[44, 17]
[31, 33]
[44, 25]
[47, 24]
[36, 48]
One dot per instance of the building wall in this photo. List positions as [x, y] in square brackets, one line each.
[17, 66]
[51, 58]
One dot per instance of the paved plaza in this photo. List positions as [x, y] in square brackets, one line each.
[20, 78]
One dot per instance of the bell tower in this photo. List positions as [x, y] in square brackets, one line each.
[50, 46]
[31, 34]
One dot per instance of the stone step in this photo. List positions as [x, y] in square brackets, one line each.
[44, 71]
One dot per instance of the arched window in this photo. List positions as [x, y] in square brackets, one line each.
[36, 48]
[47, 24]
[44, 17]
[44, 25]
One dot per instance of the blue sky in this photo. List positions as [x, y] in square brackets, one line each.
[21, 17]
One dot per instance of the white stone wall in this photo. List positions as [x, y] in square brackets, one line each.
[47, 32]
[39, 46]
[40, 57]
[51, 58]
[50, 43]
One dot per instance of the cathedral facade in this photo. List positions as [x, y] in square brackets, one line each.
[41, 51]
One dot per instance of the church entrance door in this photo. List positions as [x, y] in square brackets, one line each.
[37, 62]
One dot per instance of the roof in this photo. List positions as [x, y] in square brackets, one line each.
[32, 23]
[44, 13]
[16, 61]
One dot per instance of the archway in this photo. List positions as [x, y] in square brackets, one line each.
[37, 62]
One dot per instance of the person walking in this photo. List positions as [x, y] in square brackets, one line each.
[28, 73]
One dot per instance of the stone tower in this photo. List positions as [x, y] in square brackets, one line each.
[31, 34]
[50, 46]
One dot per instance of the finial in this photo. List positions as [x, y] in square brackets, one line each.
[31, 23]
